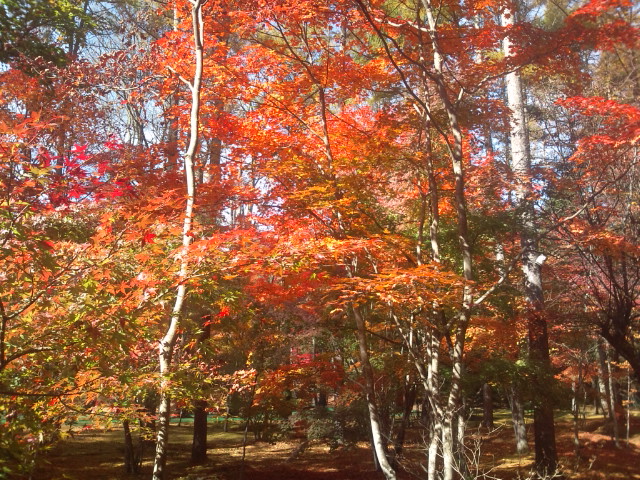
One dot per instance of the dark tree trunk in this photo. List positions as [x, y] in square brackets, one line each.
[409, 399]
[225, 424]
[128, 448]
[132, 455]
[321, 399]
[425, 411]
[487, 406]
[199, 442]
[543, 422]
[199, 445]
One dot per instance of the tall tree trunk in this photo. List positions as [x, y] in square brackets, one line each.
[448, 458]
[628, 407]
[429, 375]
[464, 315]
[435, 430]
[374, 455]
[595, 386]
[615, 400]
[451, 135]
[168, 341]
[615, 423]
[546, 457]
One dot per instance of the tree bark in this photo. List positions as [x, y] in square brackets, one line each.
[166, 346]
[456, 327]
[546, 457]
[517, 417]
[199, 444]
[409, 399]
[603, 380]
[132, 456]
[434, 442]
[374, 417]
[464, 315]
[487, 406]
[577, 386]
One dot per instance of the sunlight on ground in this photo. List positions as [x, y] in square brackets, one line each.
[97, 455]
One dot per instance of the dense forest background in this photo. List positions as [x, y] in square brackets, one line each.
[318, 215]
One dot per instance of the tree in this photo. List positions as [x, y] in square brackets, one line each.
[168, 340]
[28, 29]
[532, 260]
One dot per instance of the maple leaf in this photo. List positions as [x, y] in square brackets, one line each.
[148, 237]
[76, 191]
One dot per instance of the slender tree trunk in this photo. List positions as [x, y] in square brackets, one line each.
[432, 388]
[603, 380]
[434, 200]
[434, 444]
[595, 385]
[609, 390]
[577, 386]
[225, 423]
[458, 324]
[132, 458]
[448, 459]
[424, 410]
[615, 406]
[464, 315]
[374, 417]
[409, 399]
[374, 456]
[487, 406]
[628, 409]
[546, 457]
[429, 375]
[168, 341]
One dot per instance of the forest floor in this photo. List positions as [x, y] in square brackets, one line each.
[91, 454]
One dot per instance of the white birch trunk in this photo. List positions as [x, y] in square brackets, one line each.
[165, 348]
[543, 425]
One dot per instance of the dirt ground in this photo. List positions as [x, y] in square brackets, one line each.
[97, 455]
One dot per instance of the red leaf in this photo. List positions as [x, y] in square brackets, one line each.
[148, 238]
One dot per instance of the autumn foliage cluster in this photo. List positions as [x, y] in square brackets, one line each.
[363, 233]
